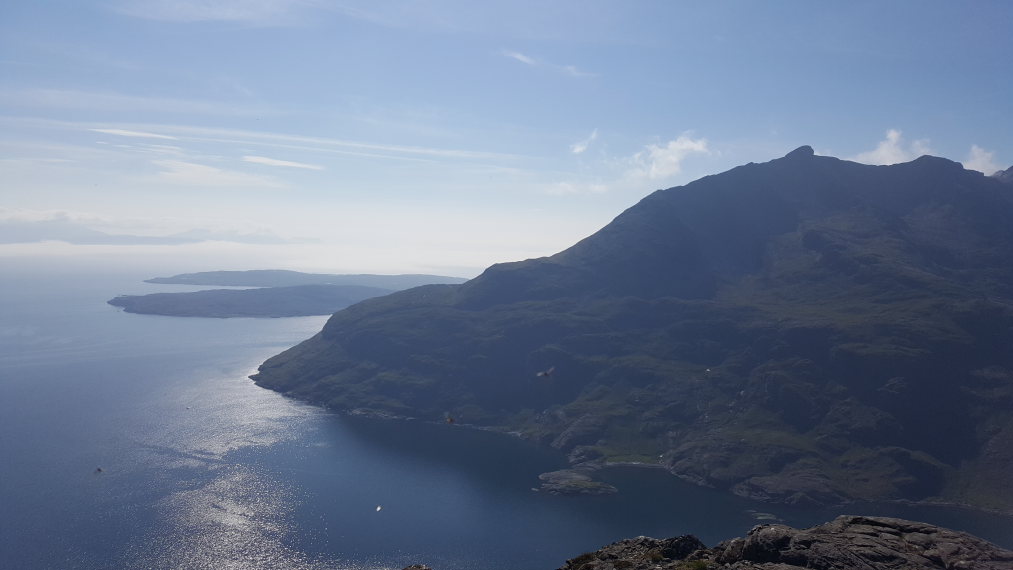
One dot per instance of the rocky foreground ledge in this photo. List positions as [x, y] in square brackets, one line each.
[846, 543]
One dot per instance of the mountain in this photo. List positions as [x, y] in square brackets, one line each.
[294, 301]
[806, 330]
[284, 278]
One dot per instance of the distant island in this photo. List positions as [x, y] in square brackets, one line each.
[295, 301]
[285, 278]
[277, 293]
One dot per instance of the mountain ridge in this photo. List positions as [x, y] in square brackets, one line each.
[805, 330]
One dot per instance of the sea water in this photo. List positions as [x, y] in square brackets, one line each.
[135, 441]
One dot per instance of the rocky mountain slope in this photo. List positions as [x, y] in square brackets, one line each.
[806, 330]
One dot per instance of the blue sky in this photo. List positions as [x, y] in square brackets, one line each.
[430, 136]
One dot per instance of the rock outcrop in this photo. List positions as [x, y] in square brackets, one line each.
[1004, 175]
[848, 542]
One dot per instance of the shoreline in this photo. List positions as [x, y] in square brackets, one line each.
[594, 466]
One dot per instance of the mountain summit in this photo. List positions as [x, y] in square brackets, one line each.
[806, 330]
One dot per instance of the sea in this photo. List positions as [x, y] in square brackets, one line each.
[134, 441]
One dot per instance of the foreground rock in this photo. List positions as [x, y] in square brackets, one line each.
[852, 542]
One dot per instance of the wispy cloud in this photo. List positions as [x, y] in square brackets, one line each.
[662, 161]
[258, 12]
[520, 57]
[894, 149]
[193, 174]
[570, 70]
[120, 102]
[128, 133]
[275, 162]
[190, 133]
[163, 149]
[323, 144]
[981, 160]
[570, 188]
[582, 145]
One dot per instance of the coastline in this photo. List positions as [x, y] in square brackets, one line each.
[599, 465]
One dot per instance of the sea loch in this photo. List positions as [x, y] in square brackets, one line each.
[133, 441]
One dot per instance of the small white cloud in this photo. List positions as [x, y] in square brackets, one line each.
[570, 70]
[275, 162]
[193, 174]
[580, 146]
[520, 57]
[981, 160]
[656, 162]
[126, 133]
[262, 12]
[893, 149]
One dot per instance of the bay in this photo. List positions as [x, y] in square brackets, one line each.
[135, 441]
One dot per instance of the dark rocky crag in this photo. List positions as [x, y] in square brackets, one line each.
[806, 330]
[852, 542]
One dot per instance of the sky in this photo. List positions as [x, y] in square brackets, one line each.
[418, 136]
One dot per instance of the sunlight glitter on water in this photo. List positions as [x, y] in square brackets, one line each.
[226, 515]
[222, 513]
[237, 521]
[234, 520]
[229, 413]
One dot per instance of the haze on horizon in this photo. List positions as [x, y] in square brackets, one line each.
[444, 136]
